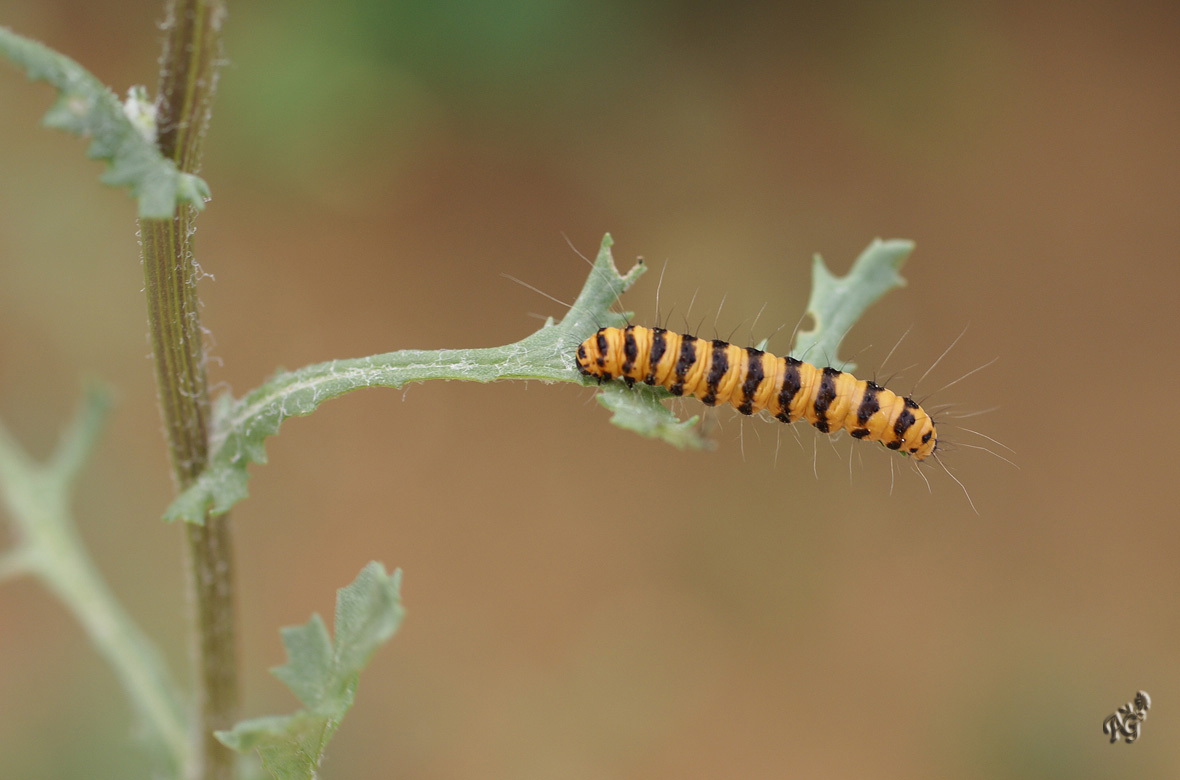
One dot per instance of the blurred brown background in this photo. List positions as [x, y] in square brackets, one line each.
[376, 166]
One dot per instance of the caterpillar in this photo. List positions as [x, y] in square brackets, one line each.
[752, 381]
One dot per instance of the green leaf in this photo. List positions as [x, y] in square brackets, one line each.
[47, 546]
[837, 302]
[309, 654]
[323, 676]
[638, 409]
[85, 106]
[241, 426]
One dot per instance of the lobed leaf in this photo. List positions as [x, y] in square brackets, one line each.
[638, 409]
[837, 302]
[85, 107]
[241, 426]
[322, 674]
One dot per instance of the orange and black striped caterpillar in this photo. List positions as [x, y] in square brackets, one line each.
[752, 381]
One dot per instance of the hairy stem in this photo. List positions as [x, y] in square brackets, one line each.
[187, 81]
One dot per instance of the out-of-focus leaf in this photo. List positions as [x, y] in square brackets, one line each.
[322, 673]
[85, 106]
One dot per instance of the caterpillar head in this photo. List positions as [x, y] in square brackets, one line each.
[925, 440]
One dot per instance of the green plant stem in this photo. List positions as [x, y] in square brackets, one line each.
[187, 80]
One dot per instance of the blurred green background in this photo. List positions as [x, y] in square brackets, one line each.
[584, 603]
